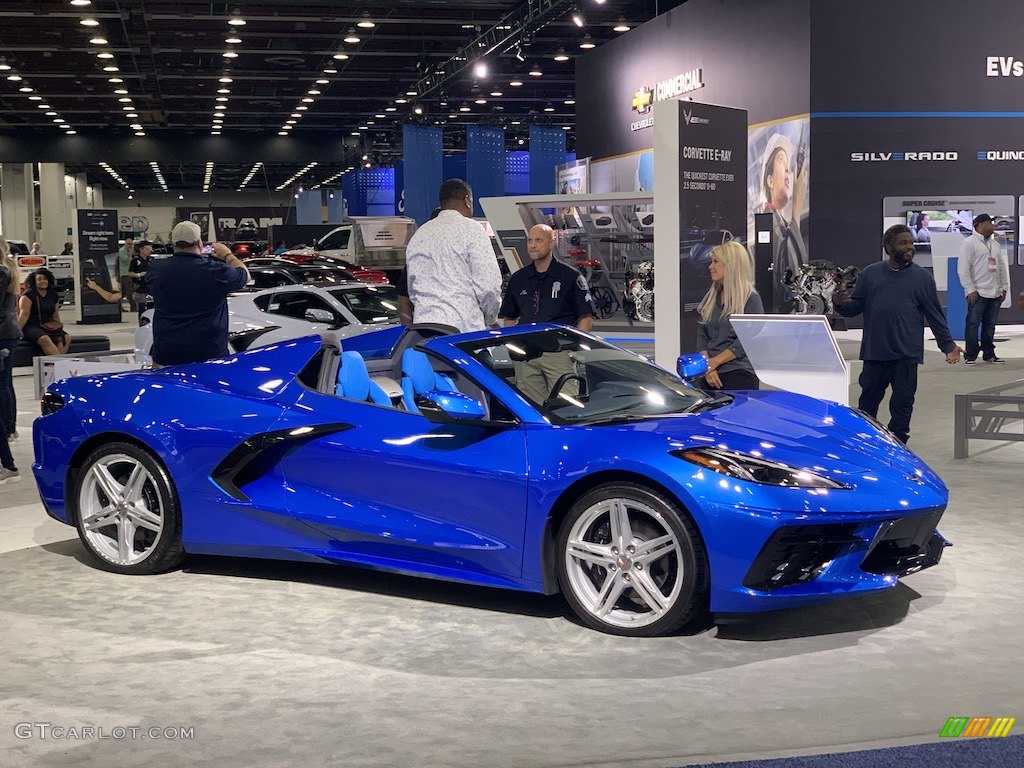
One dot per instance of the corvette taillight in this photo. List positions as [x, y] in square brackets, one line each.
[51, 403]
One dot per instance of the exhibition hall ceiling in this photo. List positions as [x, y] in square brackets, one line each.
[124, 68]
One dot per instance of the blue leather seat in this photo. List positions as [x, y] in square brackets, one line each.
[354, 381]
[419, 377]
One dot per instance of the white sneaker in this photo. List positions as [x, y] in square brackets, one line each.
[13, 436]
[11, 475]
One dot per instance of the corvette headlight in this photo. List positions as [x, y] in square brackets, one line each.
[743, 466]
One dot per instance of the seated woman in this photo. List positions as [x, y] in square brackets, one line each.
[731, 293]
[39, 314]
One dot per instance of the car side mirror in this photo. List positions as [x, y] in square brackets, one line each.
[319, 315]
[448, 407]
[691, 366]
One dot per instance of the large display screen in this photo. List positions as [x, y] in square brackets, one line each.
[926, 223]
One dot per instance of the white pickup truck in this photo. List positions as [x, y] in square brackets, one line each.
[374, 242]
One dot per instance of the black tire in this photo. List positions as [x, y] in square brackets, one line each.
[591, 564]
[133, 532]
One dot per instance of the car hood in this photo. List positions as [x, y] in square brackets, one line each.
[820, 436]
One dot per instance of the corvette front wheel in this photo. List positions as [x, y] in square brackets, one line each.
[630, 562]
[126, 510]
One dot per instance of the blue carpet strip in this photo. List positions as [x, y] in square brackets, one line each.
[1005, 752]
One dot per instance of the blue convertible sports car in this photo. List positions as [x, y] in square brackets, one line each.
[535, 458]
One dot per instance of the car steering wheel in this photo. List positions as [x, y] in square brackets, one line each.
[562, 381]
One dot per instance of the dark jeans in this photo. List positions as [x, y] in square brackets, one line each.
[8, 407]
[983, 312]
[739, 379]
[901, 375]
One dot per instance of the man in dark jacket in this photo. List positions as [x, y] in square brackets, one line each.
[190, 291]
[897, 298]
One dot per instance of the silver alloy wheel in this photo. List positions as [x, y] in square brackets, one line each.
[120, 509]
[624, 563]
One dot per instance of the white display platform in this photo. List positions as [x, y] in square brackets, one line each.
[48, 369]
[797, 353]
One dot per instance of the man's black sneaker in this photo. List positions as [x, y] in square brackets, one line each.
[970, 360]
[994, 360]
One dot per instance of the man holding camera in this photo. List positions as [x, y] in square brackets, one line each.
[190, 290]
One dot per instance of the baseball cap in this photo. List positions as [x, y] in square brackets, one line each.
[777, 141]
[185, 232]
[981, 218]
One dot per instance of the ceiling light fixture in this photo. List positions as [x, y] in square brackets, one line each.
[81, 2]
[233, 40]
[89, 23]
[225, 80]
[577, 19]
[111, 69]
[98, 40]
[351, 38]
[104, 55]
[114, 80]
[587, 43]
[14, 78]
[25, 89]
[516, 83]
[535, 71]
[340, 56]
[323, 82]
[622, 26]
[366, 22]
[561, 55]
[236, 20]
[480, 69]
[229, 55]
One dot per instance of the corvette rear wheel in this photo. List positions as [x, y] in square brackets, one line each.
[630, 562]
[127, 510]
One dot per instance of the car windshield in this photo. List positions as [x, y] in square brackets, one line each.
[370, 303]
[574, 379]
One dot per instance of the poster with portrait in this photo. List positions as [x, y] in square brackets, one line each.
[778, 173]
[96, 247]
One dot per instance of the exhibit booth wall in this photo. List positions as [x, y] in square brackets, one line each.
[897, 99]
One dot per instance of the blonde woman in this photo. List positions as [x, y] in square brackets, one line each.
[731, 293]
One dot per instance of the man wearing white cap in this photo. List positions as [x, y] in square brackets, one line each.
[190, 290]
[780, 190]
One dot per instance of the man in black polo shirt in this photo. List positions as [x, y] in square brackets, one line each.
[190, 290]
[545, 291]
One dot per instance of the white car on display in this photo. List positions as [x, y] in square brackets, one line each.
[292, 311]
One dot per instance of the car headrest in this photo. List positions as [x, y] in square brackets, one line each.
[353, 378]
[416, 367]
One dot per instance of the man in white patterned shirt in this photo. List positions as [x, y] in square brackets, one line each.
[453, 274]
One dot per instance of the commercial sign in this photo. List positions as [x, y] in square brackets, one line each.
[920, 157]
[670, 88]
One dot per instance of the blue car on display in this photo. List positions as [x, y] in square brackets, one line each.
[535, 458]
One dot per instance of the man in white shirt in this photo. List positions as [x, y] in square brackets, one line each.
[453, 274]
[985, 276]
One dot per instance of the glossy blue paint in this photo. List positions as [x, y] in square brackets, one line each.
[385, 488]
[691, 366]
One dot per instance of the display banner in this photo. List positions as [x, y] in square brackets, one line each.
[309, 207]
[96, 248]
[422, 169]
[700, 161]
[485, 163]
[399, 188]
[547, 151]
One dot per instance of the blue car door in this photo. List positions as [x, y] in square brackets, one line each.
[388, 488]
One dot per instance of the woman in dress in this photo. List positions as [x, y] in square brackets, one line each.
[731, 293]
[39, 314]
